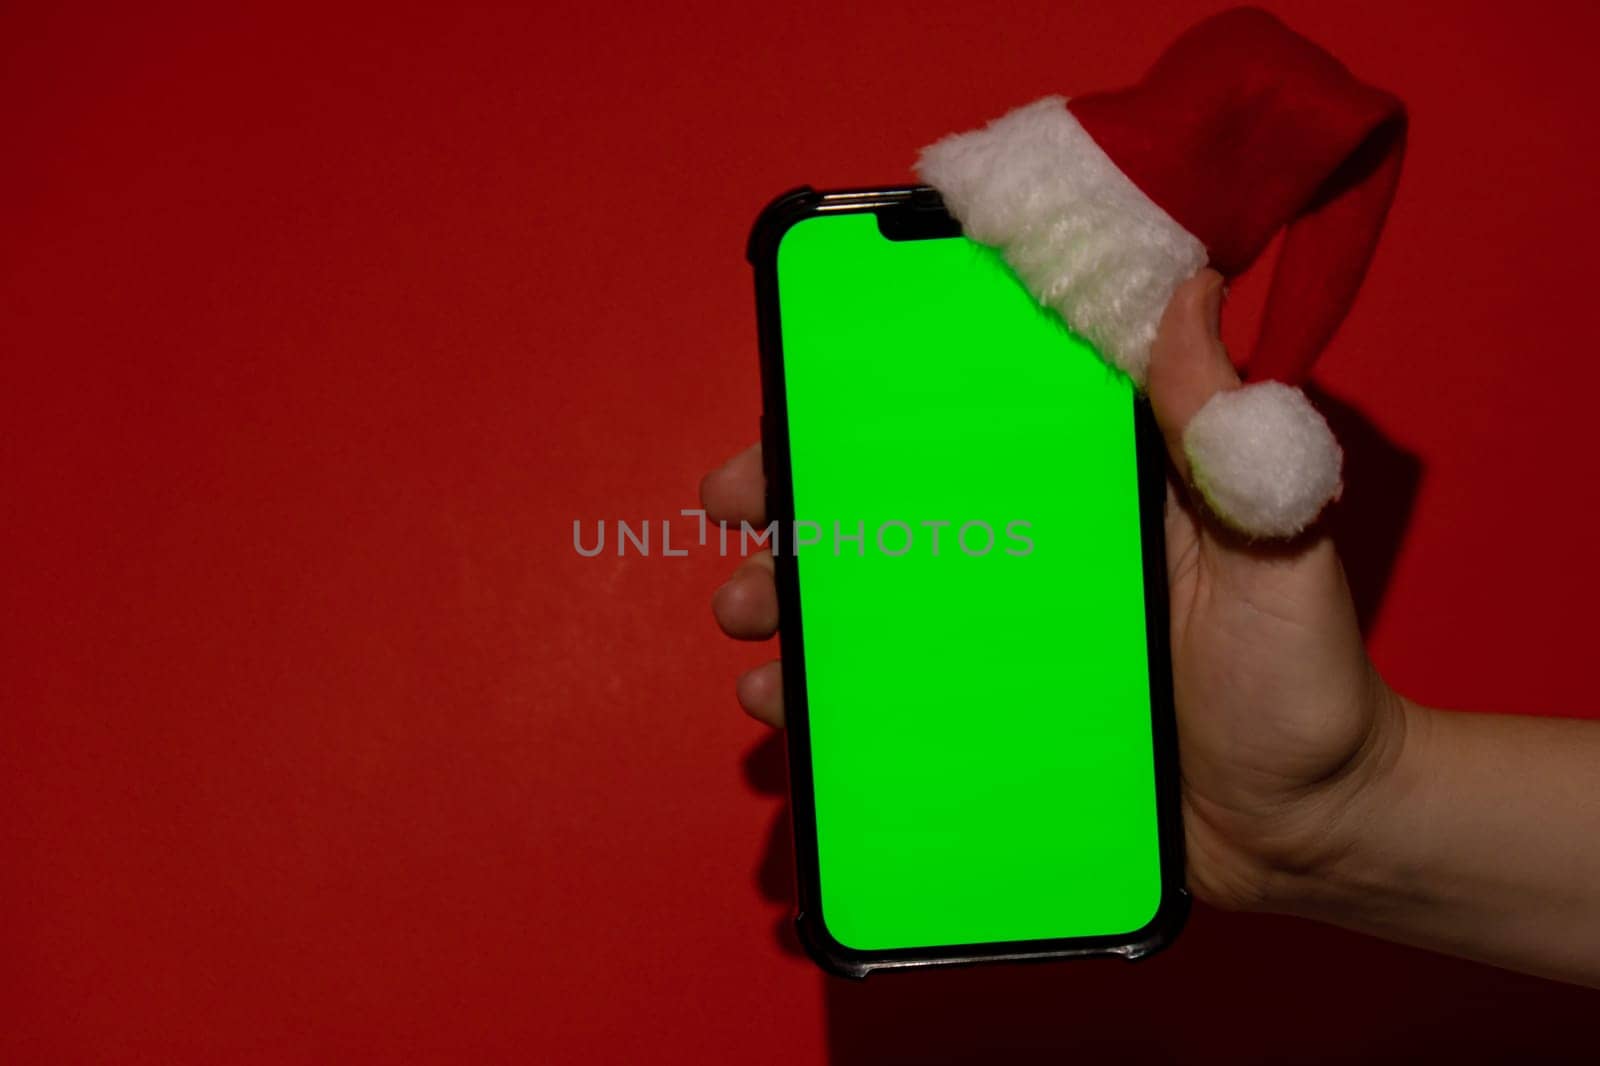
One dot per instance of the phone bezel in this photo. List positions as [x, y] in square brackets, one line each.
[915, 209]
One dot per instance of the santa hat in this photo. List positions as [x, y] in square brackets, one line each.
[1104, 205]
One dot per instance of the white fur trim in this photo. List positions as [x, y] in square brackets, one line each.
[1264, 459]
[1082, 236]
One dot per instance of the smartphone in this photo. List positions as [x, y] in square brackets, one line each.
[965, 507]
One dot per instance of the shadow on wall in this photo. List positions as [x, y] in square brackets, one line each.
[1369, 522]
[1234, 988]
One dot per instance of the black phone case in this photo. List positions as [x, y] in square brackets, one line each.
[911, 213]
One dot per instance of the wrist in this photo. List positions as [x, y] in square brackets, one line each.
[1345, 856]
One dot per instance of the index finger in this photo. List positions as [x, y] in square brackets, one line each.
[737, 490]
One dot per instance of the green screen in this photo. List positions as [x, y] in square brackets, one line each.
[979, 720]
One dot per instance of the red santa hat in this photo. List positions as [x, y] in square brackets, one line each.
[1104, 205]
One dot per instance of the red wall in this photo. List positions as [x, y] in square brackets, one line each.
[317, 331]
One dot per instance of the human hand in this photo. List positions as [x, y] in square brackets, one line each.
[1284, 726]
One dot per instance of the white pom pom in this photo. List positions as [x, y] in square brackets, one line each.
[1264, 459]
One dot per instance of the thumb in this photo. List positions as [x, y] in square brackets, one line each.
[1188, 364]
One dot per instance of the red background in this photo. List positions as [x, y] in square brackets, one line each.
[319, 328]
